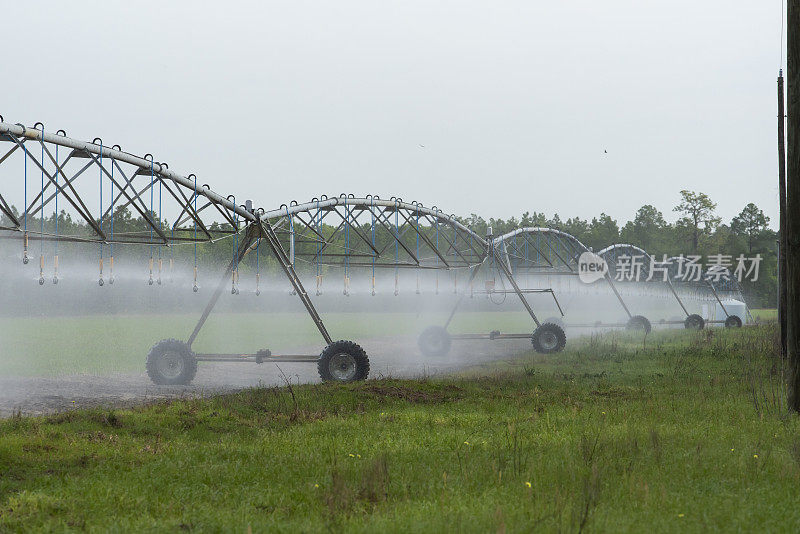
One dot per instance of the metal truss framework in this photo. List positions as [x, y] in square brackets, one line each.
[145, 186]
[345, 231]
[97, 182]
[538, 250]
[705, 288]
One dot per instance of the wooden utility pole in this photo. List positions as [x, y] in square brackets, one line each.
[793, 201]
[781, 216]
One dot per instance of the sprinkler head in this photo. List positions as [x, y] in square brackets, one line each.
[194, 288]
[55, 279]
[41, 280]
[101, 282]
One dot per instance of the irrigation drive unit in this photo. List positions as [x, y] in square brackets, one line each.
[94, 182]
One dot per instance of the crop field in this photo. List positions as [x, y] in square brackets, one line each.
[679, 431]
[102, 344]
[119, 343]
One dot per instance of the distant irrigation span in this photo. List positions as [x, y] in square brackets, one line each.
[94, 182]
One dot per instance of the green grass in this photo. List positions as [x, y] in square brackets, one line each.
[103, 344]
[765, 314]
[678, 434]
[120, 343]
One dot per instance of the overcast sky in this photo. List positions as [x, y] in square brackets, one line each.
[493, 108]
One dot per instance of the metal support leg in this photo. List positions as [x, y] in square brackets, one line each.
[558, 304]
[518, 291]
[619, 297]
[250, 236]
[672, 288]
[275, 244]
[711, 285]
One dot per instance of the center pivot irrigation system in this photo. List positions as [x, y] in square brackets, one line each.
[96, 183]
[540, 254]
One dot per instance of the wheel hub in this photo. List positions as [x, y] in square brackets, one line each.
[548, 340]
[434, 342]
[343, 367]
[170, 365]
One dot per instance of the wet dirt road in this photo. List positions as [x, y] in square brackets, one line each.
[388, 358]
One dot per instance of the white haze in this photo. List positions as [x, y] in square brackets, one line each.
[495, 108]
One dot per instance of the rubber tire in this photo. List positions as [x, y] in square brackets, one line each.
[733, 321]
[555, 320]
[694, 322]
[347, 347]
[639, 322]
[189, 363]
[548, 328]
[434, 342]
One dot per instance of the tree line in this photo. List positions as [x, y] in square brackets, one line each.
[698, 230]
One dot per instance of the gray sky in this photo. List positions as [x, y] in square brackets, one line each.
[514, 102]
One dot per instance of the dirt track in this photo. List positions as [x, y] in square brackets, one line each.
[38, 395]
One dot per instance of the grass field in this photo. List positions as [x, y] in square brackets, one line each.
[103, 344]
[678, 433]
[765, 314]
[120, 343]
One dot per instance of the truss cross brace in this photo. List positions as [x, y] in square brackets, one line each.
[254, 232]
